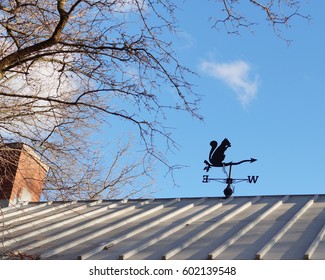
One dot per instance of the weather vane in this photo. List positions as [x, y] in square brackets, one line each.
[216, 159]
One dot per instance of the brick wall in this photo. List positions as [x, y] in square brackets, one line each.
[22, 173]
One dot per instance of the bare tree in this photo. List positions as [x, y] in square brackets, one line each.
[69, 66]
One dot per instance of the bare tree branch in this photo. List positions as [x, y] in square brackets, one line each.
[278, 14]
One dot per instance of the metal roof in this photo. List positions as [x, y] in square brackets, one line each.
[262, 227]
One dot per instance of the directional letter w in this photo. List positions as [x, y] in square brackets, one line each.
[252, 179]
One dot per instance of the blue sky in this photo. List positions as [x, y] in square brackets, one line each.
[265, 96]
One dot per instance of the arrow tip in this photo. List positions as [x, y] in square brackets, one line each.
[253, 159]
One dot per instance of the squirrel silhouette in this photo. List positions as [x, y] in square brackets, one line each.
[217, 154]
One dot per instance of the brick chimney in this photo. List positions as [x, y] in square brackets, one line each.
[22, 174]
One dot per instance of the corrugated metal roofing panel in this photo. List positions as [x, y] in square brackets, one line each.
[266, 227]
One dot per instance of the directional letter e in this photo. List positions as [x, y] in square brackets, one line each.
[205, 179]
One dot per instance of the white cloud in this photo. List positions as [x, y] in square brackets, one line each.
[37, 116]
[126, 6]
[237, 76]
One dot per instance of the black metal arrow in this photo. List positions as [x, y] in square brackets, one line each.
[208, 165]
[240, 162]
